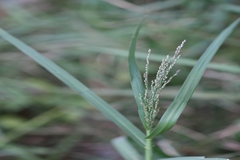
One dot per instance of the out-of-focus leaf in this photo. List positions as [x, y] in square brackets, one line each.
[193, 158]
[125, 149]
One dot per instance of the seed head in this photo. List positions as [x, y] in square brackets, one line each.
[151, 98]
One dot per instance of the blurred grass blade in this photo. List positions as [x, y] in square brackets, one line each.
[175, 109]
[136, 78]
[125, 149]
[20, 152]
[161, 5]
[158, 58]
[193, 158]
[184, 158]
[231, 8]
[30, 125]
[74, 84]
[64, 146]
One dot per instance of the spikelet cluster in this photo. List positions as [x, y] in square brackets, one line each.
[151, 97]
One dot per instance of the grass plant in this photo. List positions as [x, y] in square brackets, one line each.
[90, 41]
[148, 105]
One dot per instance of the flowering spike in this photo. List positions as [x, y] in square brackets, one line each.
[151, 98]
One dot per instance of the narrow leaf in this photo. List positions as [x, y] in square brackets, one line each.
[184, 158]
[80, 88]
[125, 149]
[175, 109]
[136, 78]
[193, 158]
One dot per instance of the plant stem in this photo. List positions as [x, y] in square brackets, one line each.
[148, 147]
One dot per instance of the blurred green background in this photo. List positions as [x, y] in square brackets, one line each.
[41, 118]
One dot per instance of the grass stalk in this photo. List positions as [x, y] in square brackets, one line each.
[148, 147]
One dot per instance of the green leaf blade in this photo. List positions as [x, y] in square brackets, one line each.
[170, 117]
[193, 158]
[80, 88]
[136, 78]
[184, 158]
[126, 149]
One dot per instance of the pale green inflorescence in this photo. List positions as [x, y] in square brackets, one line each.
[151, 98]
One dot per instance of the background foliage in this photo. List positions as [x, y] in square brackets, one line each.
[90, 39]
